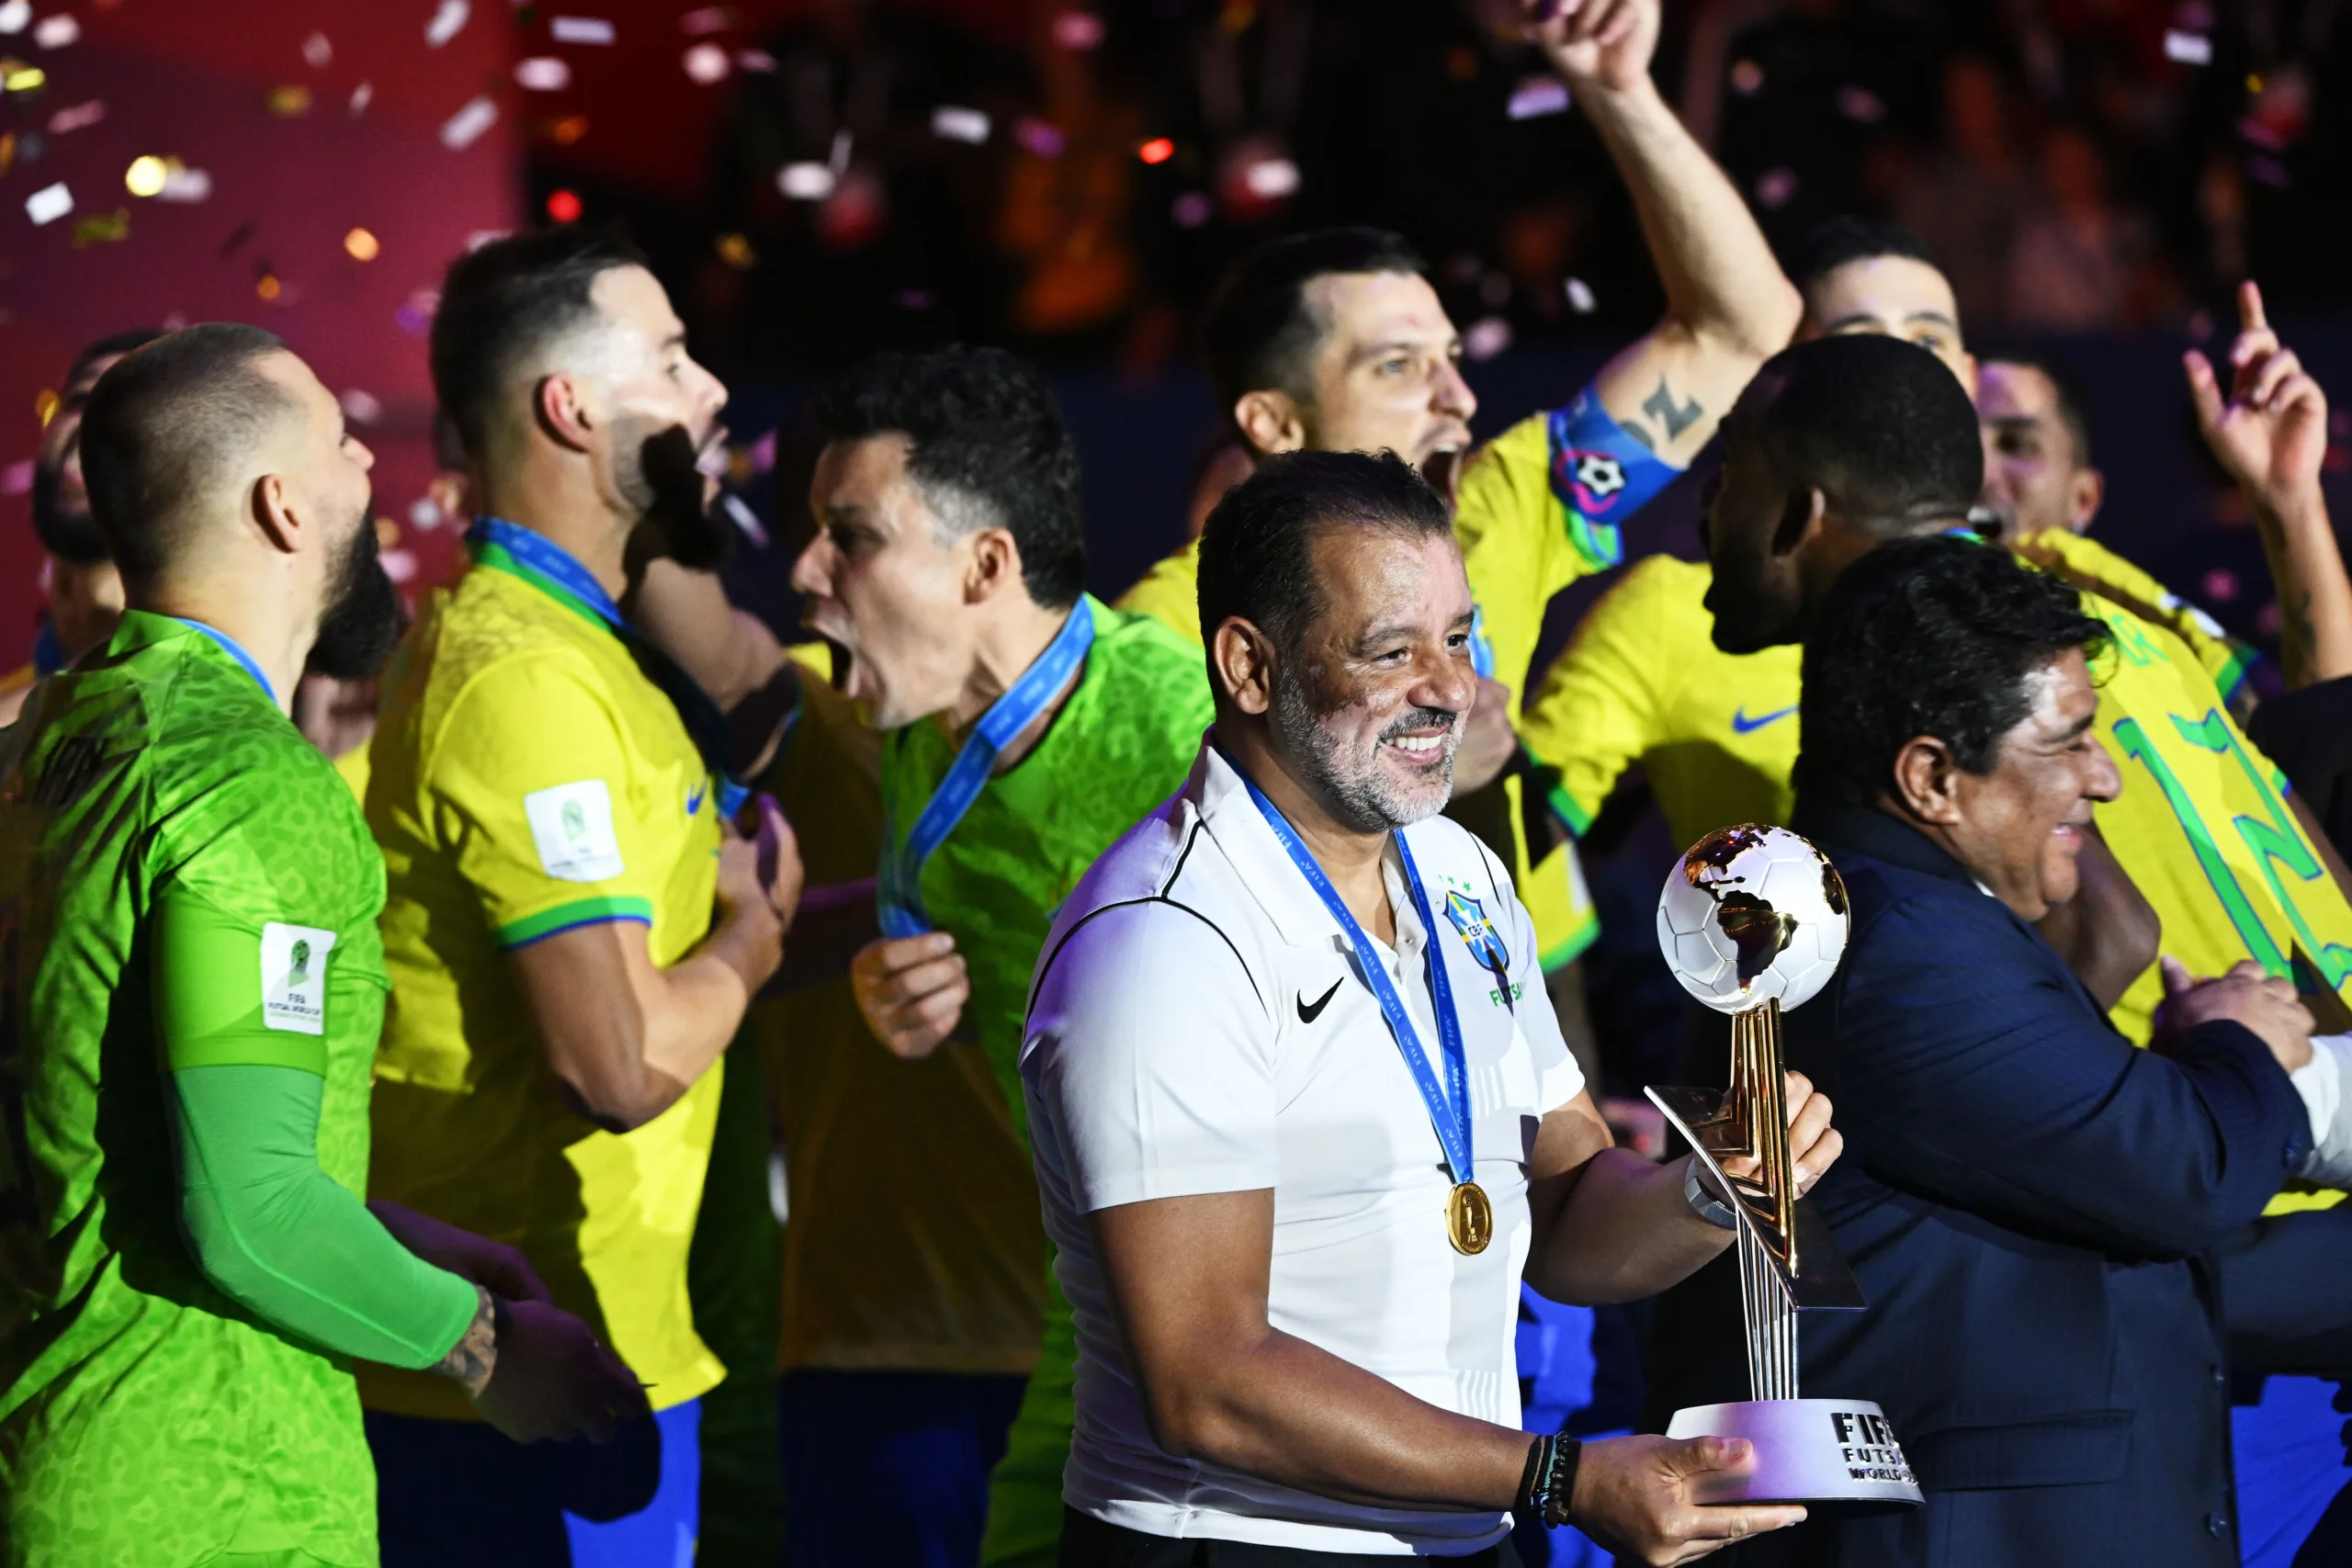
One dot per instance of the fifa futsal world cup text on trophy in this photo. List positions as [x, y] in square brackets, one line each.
[1753, 920]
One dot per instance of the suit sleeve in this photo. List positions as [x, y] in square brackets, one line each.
[2017, 1101]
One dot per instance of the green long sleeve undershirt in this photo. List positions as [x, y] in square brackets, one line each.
[266, 1225]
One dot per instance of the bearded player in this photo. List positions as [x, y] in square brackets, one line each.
[193, 986]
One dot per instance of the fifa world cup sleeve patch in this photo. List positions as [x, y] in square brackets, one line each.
[572, 826]
[294, 978]
[1601, 476]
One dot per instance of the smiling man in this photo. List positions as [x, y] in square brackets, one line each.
[1303, 1118]
[2035, 1210]
[573, 927]
[1026, 726]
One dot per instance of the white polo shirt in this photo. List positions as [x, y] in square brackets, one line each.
[1198, 1024]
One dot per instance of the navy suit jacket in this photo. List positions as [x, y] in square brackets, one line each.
[2034, 1209]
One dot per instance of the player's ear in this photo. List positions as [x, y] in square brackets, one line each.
[560, 407]
[1270, 421]
[273, 513]
[2085, 493]
[1801, 517]
[1242, 658]
[993, 566]
[1925, 779]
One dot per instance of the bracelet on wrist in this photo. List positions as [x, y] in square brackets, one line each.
[1548, 1486]
[1704, 1203]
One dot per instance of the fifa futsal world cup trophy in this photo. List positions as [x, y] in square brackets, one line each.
[1753, 920]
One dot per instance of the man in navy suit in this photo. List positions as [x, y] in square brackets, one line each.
[2034, 1206]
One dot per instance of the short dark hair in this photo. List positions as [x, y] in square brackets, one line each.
[111, 346]
[1258, 331]
[1257, 556]
[164, 423]
[1932, 636]
[1836, 242]
[982, 427]
[2074, 393]
[1881, 426]
[502, 300]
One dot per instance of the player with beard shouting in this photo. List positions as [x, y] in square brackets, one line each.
[573, 926]
[191, 985]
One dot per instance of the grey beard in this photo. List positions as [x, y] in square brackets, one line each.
[1358, 797]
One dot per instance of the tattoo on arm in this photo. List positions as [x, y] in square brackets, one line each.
[1634, 428]
[1676, 417]
[471, 1359]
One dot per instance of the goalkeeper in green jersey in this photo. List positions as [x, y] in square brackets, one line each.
[190, 990]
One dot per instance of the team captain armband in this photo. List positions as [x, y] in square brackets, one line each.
[1602, 475]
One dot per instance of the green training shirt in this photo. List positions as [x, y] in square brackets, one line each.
[1123, 742]
[145, 1417]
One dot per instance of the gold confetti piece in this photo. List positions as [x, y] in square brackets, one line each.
[268, 287]
[289, 102]
[45, 406]
[7, 151]
[18, 77]
[567, 130]
[102, 227]
[736, 252]
[361, 245]
[146, 175]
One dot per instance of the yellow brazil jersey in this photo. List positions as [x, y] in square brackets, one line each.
[2200, 825]
[1537, 507]
[2086, 563]
[526, 778]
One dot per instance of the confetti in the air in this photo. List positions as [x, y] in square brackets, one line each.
[448, 21]
[318, 53]
[1538, 96]
[146, 175]
[76, 118]
[416, 315]
[102, 227]
[758, 61]
[706, 63]
[1159, 150]
[805, 182]
[48, 204]
[543, 73]
[16, 76]
[736, 252]
[185, 184]
[564, 205]
[1271, 179]
[953, 122]
[1036, 136]
[1580, 294]
[1860, 105]
[16, 16]
[463, 129]
[360, 408]
[1775, 186]
[17, 478]
[1487, 336]
[708, 19]
[424, 513]
[1192, 210]
[1077, 29]
[291, 102]
[361, 244]
[2189, 48]
[744, 517]
[56, 32]
[359, 96]
[580, 30]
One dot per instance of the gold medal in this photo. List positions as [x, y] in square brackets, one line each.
[1469, 1218]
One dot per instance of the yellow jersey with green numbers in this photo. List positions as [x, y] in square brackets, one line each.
[1537, 507]
[526, 778]
[2086, 563]
[2201, 825]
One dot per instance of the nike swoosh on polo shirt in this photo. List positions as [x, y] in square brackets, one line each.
[1309, 1013]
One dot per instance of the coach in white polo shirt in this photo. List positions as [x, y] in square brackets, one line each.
[1252, 1035]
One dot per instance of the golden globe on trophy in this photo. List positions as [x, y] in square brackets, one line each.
[1753, 922]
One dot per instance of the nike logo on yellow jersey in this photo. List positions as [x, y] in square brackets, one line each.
[1743, 725]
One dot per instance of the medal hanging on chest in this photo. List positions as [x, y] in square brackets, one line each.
[1469, 1214]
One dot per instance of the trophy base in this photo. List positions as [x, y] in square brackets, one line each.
[1807, 1450]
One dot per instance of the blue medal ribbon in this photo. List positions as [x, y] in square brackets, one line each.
[546, 565]
[898, 893]
[1452, 1120]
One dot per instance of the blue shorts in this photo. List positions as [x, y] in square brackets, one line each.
[460, 1492]
[2289, 1451]
[890, 1467]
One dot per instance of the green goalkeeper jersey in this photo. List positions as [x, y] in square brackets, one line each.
[145, 1417]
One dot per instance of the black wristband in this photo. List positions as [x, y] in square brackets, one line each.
[1531, 1480]
[1560, 1486]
